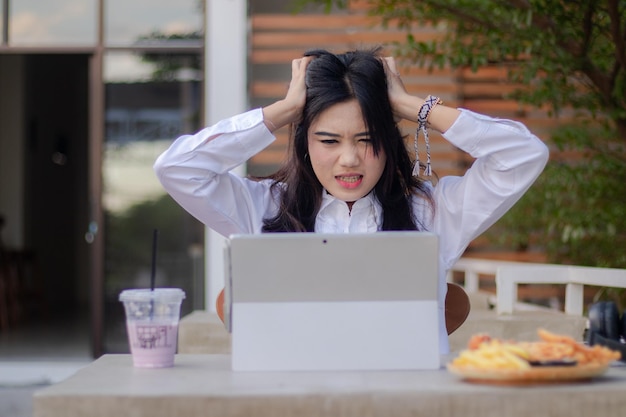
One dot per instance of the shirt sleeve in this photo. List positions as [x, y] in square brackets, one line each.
[195, 171]
[509, 158]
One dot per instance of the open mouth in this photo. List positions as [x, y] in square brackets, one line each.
[349, 181]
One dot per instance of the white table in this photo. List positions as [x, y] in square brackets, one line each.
[204, 385]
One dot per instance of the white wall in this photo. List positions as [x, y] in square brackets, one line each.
[226, 95]
[12, 149]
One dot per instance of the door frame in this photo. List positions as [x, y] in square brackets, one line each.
[94, 233]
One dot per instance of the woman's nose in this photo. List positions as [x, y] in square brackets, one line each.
[349, 156]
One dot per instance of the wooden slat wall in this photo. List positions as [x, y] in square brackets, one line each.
[276, 39]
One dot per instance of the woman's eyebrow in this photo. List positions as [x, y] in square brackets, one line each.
[336, 135]
[322, 133]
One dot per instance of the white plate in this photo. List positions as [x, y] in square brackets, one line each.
[533, 375]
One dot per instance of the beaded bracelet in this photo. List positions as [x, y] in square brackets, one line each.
[422, 119]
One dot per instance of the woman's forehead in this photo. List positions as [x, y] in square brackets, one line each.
[340, 116]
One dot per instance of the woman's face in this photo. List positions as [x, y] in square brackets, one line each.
[341, 153]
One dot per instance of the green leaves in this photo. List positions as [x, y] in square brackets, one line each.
[564, 55]
[576, 211]
[567, 50]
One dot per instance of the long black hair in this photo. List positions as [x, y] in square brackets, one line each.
[332, 79]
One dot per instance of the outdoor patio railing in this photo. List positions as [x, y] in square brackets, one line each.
[509, 274]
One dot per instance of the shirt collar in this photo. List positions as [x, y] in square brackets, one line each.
[334, 216]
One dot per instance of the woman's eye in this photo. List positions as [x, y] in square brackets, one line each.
[328, 141]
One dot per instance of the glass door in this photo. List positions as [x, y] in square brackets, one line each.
[150, 100]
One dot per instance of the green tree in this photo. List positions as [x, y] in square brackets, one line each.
[167, 65]
[564, 55]
[578, 46]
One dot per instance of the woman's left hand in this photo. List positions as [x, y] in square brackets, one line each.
[406, 106]
[397, 91]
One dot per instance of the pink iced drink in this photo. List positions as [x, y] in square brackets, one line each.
[152, 343]
[152, 324]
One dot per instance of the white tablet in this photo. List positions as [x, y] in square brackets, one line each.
[309, 301]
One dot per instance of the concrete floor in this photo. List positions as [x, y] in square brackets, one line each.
[34, 355]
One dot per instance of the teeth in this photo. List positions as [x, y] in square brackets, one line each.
[353, 178]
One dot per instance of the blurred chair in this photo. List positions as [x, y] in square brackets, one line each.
[457, 307]
[4, 296]
[21, 287]
[5, 272]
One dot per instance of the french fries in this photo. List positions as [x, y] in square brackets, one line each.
[581, 353]
[494, 354]
[483, 352]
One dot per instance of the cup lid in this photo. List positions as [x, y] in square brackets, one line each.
[173, 295]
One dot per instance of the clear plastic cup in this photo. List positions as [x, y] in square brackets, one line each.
[152, 318]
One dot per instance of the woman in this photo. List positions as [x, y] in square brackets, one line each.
[348, 169]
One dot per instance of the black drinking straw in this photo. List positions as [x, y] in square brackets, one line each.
[155, 236]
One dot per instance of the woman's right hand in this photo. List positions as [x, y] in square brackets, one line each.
[406, 106]
[397, 91]
[289, 109]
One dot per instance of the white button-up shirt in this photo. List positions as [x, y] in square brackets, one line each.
[195, 171]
